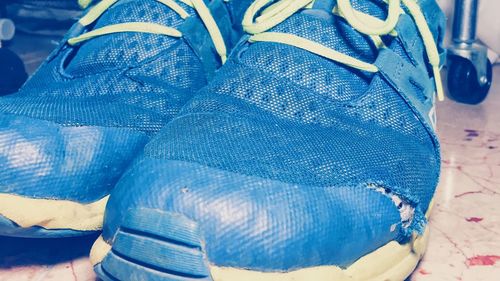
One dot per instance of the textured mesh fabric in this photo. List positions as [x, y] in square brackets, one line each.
[278, 112]
[130, 80]
[120, 50]
[287, 161]
[309, 71]
[80, 120]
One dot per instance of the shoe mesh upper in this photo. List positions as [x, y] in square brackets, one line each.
[302, 119]
[131, 80]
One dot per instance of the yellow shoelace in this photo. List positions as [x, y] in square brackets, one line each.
[148, 27]
[278, 12]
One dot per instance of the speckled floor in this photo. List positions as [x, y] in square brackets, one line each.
[465, 224]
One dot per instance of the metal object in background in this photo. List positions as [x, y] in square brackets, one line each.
[43, 17]
[469, 70]
[12, 71]
[40, 17]
[7, 30]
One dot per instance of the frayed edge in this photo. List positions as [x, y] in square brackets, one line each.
[413, 219]
[418, 224]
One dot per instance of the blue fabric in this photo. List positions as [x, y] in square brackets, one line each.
[276, 158]
[140, 79]
[41, 159]
[312, 93]
[256, 223]
[74, 127]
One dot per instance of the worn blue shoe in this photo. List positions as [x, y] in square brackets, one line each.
[310, 156]
[122, 72]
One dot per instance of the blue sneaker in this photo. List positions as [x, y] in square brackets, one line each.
[311, 155]
[122, 72]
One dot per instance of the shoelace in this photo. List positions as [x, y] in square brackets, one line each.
[369, 25]
[147, 27]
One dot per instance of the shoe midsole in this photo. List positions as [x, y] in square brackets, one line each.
[53, 214]
[392, 261]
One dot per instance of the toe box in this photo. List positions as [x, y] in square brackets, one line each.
[42, 159]
[259, 224]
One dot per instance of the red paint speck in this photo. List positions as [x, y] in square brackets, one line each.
[423, 272]
[474, 219]
[483, 260]
[73, 271]
[467, 193]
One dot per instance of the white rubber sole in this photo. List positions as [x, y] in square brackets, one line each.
[53, 214]
[391, 262]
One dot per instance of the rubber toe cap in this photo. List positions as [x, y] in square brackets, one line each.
[255, 223]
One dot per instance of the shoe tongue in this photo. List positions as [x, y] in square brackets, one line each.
[323, 27]
[126, 49]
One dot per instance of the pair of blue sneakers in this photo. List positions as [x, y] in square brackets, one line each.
[239, 140]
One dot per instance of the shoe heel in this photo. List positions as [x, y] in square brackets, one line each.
[155, 245]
